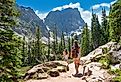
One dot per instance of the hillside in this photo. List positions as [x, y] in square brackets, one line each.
[97, 68]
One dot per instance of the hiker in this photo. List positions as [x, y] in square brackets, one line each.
[65, 55]
[75, 53]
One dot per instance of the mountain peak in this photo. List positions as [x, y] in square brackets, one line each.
[66, 20]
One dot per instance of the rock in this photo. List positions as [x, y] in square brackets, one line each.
[60, 63]
[114, 67]
[50, 65]
[52, 68]
[40, 70]
[113, 49]
[61, 69]
[42, 76]
[34, 76]
[53, 73]
[94, 79]
[45, 69]
[32, 71]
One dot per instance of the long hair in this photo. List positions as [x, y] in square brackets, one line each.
[76, 44]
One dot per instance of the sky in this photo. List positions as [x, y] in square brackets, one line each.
[43, 7]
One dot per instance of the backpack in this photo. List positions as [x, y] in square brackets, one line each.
[74, 52]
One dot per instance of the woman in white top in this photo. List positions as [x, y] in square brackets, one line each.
[65, 55]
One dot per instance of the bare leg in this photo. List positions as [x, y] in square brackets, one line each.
[76, 68]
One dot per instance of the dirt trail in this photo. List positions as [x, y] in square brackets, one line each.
[64, 77]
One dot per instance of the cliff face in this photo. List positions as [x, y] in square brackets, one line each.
[66, 20]
[28, 21]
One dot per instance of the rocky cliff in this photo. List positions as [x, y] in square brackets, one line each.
[66, 20]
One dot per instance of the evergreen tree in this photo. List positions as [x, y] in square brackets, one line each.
[54, 43]
[29, 52]
[75, 37]
[24, 51]
[10, 44]
[115, 21]
[63, 40]
[72, 41]
[48, 45]
[38, 43]
[85, 41]
[61, 45]
[104, 28]
[69, 45]
[95, 31]
[8, 13]
[10, 56]
[33, 52]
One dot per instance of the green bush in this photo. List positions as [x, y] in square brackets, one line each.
[116, 72]
[106, 61]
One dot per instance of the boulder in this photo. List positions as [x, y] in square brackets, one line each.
[42, 76]
[113, 49]
[61, 69]
[45, 69]
[53, 73]
[50, 65]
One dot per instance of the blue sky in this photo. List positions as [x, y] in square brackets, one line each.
[42, 7]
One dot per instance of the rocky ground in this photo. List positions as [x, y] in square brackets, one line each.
[58, 71]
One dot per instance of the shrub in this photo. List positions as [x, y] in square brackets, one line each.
[106, 61]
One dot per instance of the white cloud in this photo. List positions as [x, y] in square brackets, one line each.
[71, 5]
[85, 14]
[100, 15]
[113, 2]
[103, 5]
[41, 15]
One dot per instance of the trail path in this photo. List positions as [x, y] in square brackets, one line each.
[97, 75]
[64, 77]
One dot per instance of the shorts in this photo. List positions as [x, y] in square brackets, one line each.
[76, 60]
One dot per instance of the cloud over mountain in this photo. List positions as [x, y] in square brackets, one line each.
[85, 14]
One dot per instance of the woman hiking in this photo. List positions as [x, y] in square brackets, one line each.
[65, 55]
[75, 52]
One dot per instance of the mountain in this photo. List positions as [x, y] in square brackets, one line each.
[66, 20]
[28, 21]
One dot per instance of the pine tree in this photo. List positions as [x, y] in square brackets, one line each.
[115, 21]
[95, 31]
[29, 52]
[33, 51]
[104, 28]
[24, 51]
[8, 13]
[85, 41]
[69, 45]
[10, 55]
[75, 37]
[48, 45]
[61, 45]
[10, 44]
[54, 43]
[72, 41]
[38, 43]
[63, 40]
